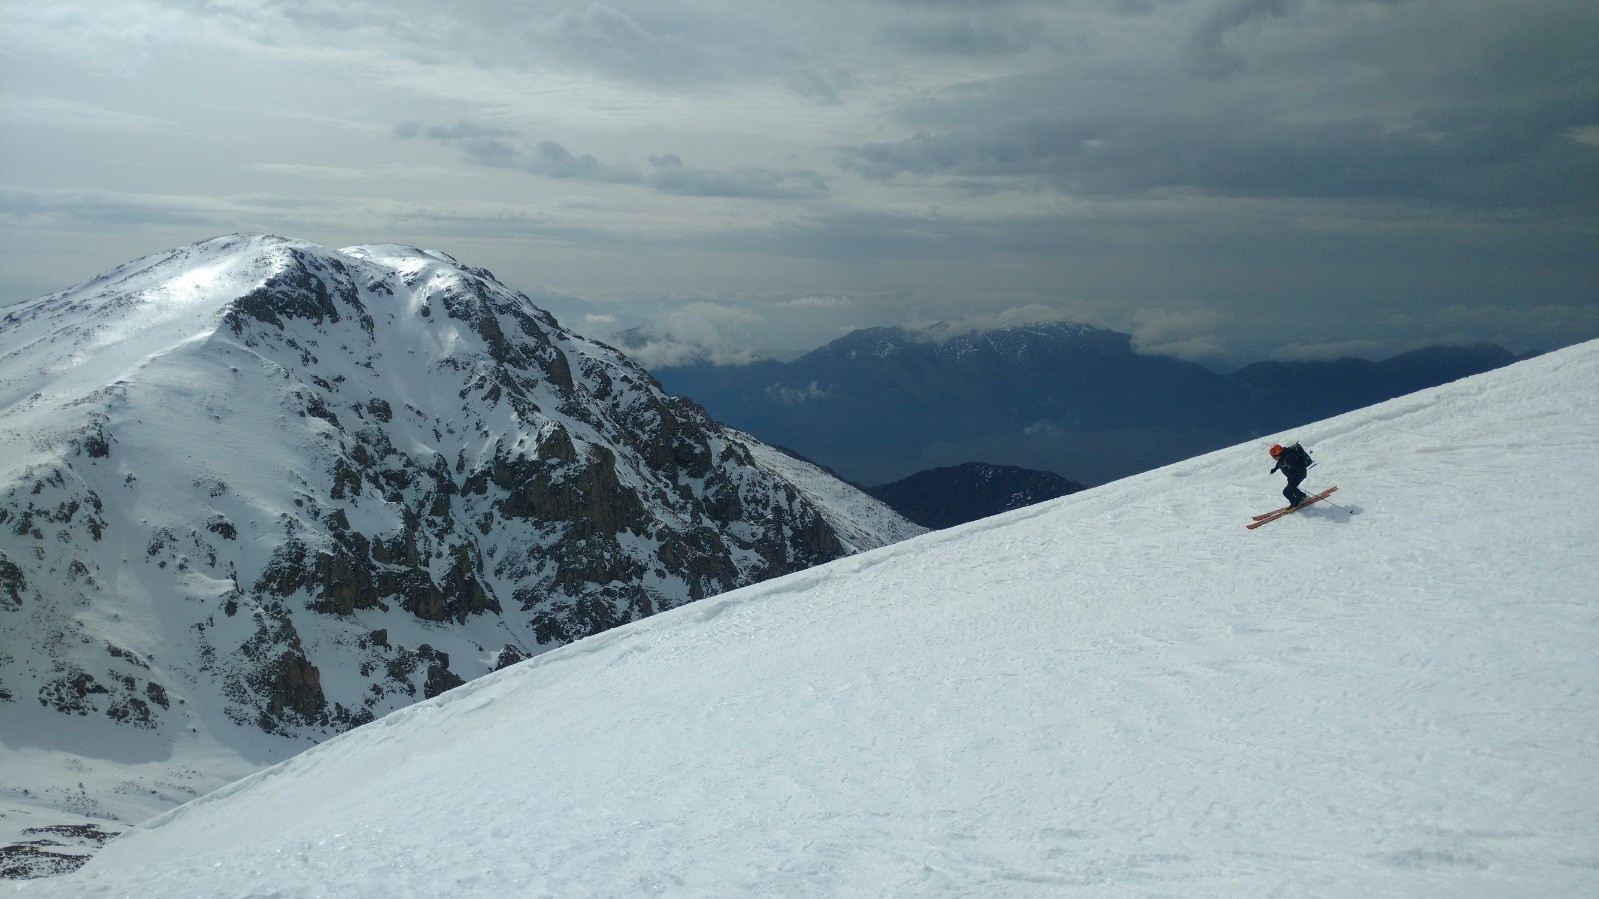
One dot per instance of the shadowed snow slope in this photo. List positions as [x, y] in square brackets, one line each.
[1121, 692]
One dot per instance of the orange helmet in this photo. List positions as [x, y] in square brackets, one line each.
[1276, 450]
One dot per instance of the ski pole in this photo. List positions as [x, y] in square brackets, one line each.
[1338, 507]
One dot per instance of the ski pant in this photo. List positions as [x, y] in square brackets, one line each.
[1292, 493]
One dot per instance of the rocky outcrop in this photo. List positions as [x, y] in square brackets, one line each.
[276, 679]
[50, 851]
[12, 582]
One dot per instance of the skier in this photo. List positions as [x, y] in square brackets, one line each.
[1294, 463]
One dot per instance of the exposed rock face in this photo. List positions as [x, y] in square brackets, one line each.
[12, 583]
[304, 487]
[48, 851]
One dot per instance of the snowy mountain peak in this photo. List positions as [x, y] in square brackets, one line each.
[256, 491]
[128, 315]
[152, 305]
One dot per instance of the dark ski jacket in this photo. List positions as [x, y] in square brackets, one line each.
[1294, 460]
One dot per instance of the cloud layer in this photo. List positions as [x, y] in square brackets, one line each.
[1225, 179]
[665, 173]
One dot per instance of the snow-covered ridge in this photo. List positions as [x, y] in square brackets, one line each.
[861, 521]
[256, 491]
[1121, 692]
[64, 346]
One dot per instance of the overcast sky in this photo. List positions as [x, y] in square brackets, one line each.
[1226, 179]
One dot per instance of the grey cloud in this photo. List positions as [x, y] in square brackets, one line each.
[749, 183]
[1353, 155]
[465, 131]
[44, 110]
[460, 131]
[603, 26]
[1259, 270]
[1522, 159]
[827, 86]
[91, 211]
[1206, 41]
[489, 147]
[450, 133]
[667, 173]
[102, 209]
[1264, 268]
[1185, 329]
[966, 6]
[653, 347]
[1478, 111]
[682, 46]
[695, 331]
[551, 160]
[1016, 149]
[968, 36]
[945, 330]
[1136, 7]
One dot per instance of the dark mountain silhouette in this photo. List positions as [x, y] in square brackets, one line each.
[945, 497]
[880, 404]
[1286, 394]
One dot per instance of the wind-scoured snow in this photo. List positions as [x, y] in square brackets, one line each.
[1122, 692]
[119, 321]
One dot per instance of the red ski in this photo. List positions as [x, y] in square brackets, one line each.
[1286, 509]
[1289, 510]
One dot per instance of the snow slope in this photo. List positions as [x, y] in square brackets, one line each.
[1119, 693]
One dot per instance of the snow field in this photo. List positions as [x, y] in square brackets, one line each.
[1119, 693]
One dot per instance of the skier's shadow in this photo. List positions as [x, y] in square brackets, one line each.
[1334, 514]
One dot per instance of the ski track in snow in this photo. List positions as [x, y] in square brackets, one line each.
[1119, 693]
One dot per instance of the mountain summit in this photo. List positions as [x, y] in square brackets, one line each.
[256, 491]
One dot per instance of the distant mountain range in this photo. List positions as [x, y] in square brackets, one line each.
[945, 497]
[879, 404]
[1287, 394]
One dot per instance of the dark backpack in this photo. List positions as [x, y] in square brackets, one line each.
[1296, 457]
